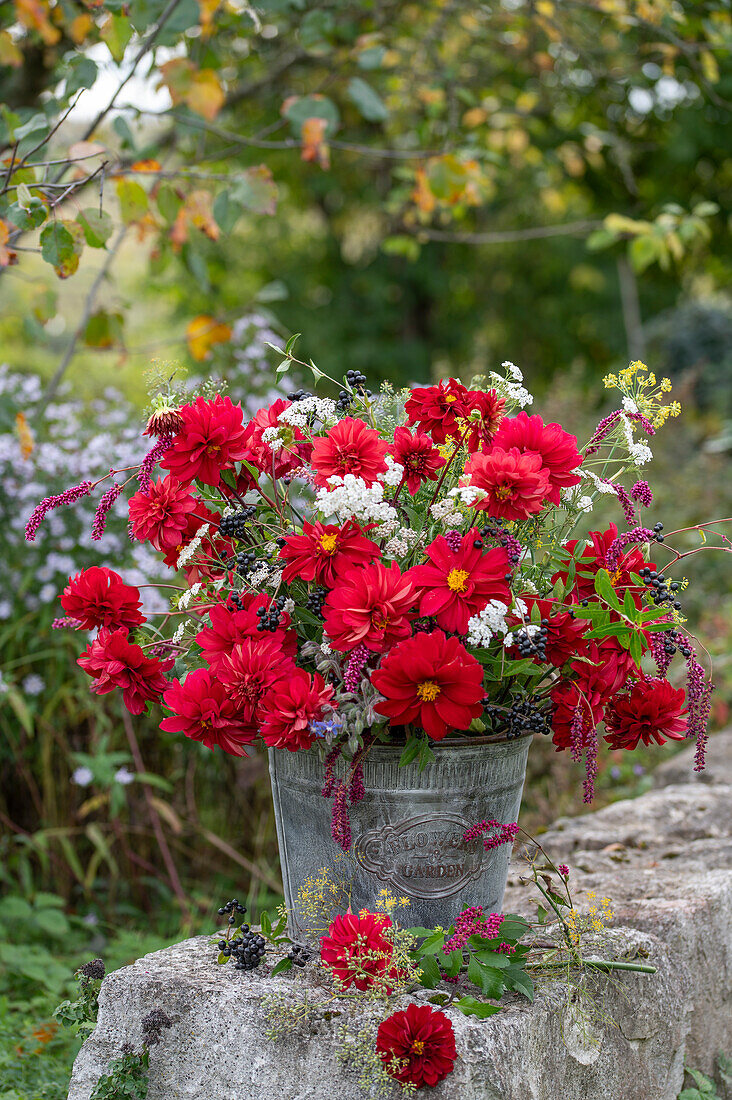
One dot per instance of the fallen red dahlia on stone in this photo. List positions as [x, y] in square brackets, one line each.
[417, 1045]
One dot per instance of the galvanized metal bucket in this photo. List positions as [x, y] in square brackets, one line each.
[408, 830]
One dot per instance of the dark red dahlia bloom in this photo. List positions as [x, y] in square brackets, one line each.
[483, 430]
[326, 550]
[356, 950]
[652, 712]
[438, 409]
[295, 450]
[211, 440]
[229, 626]
[203, 711]
[458, 583]
[418, 455]
[350, 447]
[250, 671]
[160, 514]
[564, 638]
[557, 449]
[369, 606]
[515, 484]
[432, 681]
[99, 597]
[594, 557]
[590, 689]
[114, 662]
[165, 421]
[290, 707]
[417, 1045]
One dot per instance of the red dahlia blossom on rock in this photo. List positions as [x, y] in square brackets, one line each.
[418, 455]
[114, 662]
[99, 597]
[325, 551]
[229, 626]
[431, 681]
[458, 583]
[482, 430]
[356, 950]
[285, 459]
[250, 671]
[556, 448]
[350, 447]
[369, 606]
[160, 515]
[290, 707]
[438, 409]
[652, 711]
[515, 484]
[212, 439]
[203, 711]
[417, 1045]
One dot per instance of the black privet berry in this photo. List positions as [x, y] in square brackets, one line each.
[234, 526]
[249, 950]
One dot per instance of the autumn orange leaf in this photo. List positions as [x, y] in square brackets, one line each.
[196, 211]
[7, 256]
[203, 332]
[314, 146]
[25, 435]
[146, 166]
[9, 52]
[206, 96]
[34, 16]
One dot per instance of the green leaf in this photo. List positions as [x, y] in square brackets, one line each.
[57, 244]
[471, 1006]
[169, 203]
[316, 29]
[372, 58]
[291, 342]
[266, 923]
[132, 200]
[604, 589]
[489, 979]
[411, 751]
[420, 933]
[281, 966]
[517, 980]
[431, 945]
[256, 190]
[451, 962]
[52, 922]
[430, 975]
[122, 129]
[226, 211]
[299, 109]
[97, 226]
[284, 366]
[116, 31]
[368, 102]
[426, 755]
[83, 74]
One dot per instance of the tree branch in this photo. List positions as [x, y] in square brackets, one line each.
[508, 236]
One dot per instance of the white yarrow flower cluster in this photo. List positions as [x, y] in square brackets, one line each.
[273, 437]
[349, 497]
[483, 627]
[467, 494]
[401, 542]
[639, 452]
[300, 413]
[189, 595]
[601, 484]
[188, 552]
[511, 386]
[178, 635]
[394, 472]
[575, 498]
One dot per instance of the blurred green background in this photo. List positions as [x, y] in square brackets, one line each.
[539, 182]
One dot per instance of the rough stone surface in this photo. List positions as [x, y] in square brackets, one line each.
[680, 768]
[663, 859]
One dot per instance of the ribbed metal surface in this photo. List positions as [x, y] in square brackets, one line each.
[408, 830]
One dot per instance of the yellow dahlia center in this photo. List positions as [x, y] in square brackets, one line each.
[417, 1046]
[457, 580]
[428, 691]
[504, 492]
[328, 543]
[213, 449]
[615, 577]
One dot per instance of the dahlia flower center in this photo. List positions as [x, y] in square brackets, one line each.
[417, 1047]
[428, 691]
[503, 492]
[380, 619]
[450, 399]
[415, 463]
[328, 543]
[457, 580]
[213, 449]
[348, 458]
[615, 576]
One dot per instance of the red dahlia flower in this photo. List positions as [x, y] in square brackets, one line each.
[325, 550]
[594, 558]
[203, 711]
[418, 455]
[590, 689]
[296, 448]
[250, 671]
[229, 626]
[437, 409]
[99, 597]
[160, 515]
[114, 662]
[211, 440]
[431, 681]
[490, 406]
[652, 711]
[516, 484]
[369, 606]
[458, 583]
[556, 448]
[290, 707]
[356, 950]
[350, 447]
[418, 1045]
